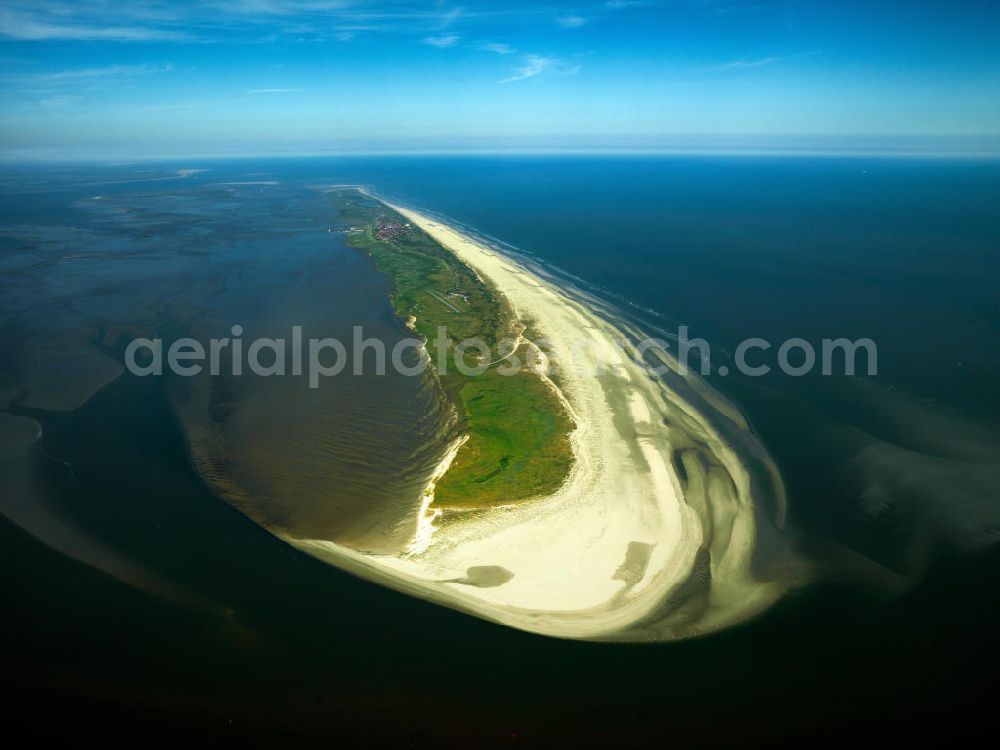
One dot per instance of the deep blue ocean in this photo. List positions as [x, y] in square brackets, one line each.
[892, 477]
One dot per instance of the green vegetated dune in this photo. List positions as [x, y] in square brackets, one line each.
[518, 429]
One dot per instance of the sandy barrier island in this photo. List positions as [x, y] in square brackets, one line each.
[668, 525]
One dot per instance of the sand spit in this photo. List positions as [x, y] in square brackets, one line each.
[667, 526]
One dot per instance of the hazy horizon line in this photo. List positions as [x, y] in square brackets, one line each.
[959, 147]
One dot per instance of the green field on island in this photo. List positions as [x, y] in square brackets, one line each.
[518, 430]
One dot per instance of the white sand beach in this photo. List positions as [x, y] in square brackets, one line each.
[652, 536]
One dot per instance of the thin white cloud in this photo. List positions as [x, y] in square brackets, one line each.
[571, 22]
[24, 27]
[449, 17]
[497, 48]
[243, 21]
[170, 107]
[158, 20]
[536, 65]
[747, 62]
[446, 40]
[280, 7]
[83, 75]
[58, 102]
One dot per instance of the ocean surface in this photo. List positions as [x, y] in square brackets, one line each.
[134, 588]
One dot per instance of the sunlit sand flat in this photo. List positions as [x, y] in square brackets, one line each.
[665, 527]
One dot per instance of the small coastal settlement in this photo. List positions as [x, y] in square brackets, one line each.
[390, 230]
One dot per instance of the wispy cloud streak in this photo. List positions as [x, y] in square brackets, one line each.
[536, 65]
[14, 25]
[746, 62]
[84, 75]
[441, 42]
[571, 22]
[497, 48]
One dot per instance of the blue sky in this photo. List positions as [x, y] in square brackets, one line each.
[149, 78]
